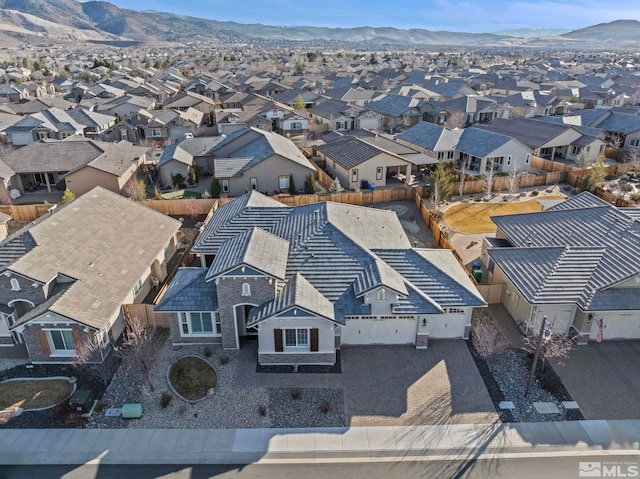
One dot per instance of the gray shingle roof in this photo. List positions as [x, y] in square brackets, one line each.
[480, 143]
[582, 245]
[533, 133]
[348, 152]
[102, 240]
[189, 291]
[393, 105]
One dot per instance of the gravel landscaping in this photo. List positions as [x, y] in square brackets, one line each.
[506, 375]
[230, 407]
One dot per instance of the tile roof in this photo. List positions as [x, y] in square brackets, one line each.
[582, 245]
[480, 143]
[255, 248]
[533, 133]
[393, 105]
[334, 247]
[297, 293]
[189, 291]
[348, 151]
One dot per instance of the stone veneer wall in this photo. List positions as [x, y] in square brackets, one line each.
[174, 329]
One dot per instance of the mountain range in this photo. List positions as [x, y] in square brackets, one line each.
[69, 20]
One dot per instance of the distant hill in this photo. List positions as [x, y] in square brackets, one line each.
[102, 21]
[532, 32]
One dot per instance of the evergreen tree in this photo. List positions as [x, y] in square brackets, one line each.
[216, 188]
[440, 184]
[292, 186]
[299, 104]
[193, 176]
[310, 184]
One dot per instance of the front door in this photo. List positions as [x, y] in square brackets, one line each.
[242, 313]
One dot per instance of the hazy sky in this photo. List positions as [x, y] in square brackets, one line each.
[453, 15]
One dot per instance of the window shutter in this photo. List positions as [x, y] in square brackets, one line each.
[44, 344]
[277, 339]
[314, 339]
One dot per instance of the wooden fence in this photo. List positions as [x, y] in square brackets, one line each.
[502, 183]
[26, 213]
[146, 314]
[184, 207]
[322, 177]
[358, 198]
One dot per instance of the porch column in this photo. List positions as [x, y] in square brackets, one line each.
[553, 153]
[46, 182]
[408, 173]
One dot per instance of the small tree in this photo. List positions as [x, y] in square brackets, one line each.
[461, 179]
[177, 180]
[457, 119]
[582, 159]
[440, 184]
[310, 184]
[488, 177]
[139, 348]
[216, 188]
[299, 104]
[135, 189]
[192, 176]
[336, 187]
[68, 195]
[594, 177]
[292, 186]
[486, 339]
[514, 178]
[95, 360]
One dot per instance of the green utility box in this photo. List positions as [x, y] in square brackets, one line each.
[132, 411]
[82, 400]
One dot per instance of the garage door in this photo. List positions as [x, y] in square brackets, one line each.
[387, 330]
[449, 325]
[622, 326]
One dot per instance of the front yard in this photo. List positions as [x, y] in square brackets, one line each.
[33, 393]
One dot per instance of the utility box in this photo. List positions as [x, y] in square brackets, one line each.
[82, 400]
[131, 411]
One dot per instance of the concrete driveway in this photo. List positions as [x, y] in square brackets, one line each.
[604, 379]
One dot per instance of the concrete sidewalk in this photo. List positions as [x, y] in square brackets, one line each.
[356, 444]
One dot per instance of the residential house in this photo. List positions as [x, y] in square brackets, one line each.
[306, 280]
[340, 115]
[188, 99]
[76, 163]
[355, 161]
[125, 105]
[575, 263]
[548, 139]
[258, 160]
[189, 152]
[65, 277]
[398, 112]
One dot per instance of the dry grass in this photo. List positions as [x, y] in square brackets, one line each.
[192, 377]
[33, 394]
[470, 218]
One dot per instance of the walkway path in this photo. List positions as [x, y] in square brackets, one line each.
[357, 444]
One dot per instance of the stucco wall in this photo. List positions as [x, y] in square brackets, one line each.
[326, 332]
[87, 178]
[267, 173]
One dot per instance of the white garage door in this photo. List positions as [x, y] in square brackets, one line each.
[379, 331]
[449, 325]
[621, 326]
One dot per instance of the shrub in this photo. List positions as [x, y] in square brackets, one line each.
[262, 410]
[178, 181]
[551, 383]
[626, 187]
[165, 399]
[224, 359]
[535, 193]
[635, 196]
[296, 393]
[101, 405]
[207, 352]
[325, 407]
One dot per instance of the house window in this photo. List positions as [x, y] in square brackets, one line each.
[450, 155]
[61, 341]
[381, 294]
[456, 311]
[527, 159]
[342, 125]
[354, 175]
[123, 134]
[254, 184]
[137, 287]
[379, 173]
[296, 338]
[205, 323]
[225, 186]
[246, 289]
[156, 132]
[283, 181]
[42, 135]
[575, 150]
[508, 160]
[15, 284]
[633, 143]
[65, 134]
[296, 125]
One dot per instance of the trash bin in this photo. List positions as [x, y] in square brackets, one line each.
[477, 275]
[364, 184]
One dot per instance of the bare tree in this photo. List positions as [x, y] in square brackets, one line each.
[5, 196]
[139, 348]
[457, 119]
[192, 207]
[582, 159]
[96, 359]
[462, 177]
[488, 176]
[135, 189]
[487, 340]
[514, 178]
